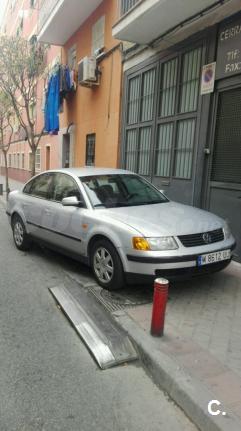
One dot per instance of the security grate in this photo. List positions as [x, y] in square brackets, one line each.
[227, 148]
[163, 118]
[199, 238]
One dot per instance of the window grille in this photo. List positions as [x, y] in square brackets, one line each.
[90, 150]
[38, 160]
[126, 5]
[169, 115]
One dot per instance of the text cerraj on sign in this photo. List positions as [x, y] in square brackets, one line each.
[229, 49]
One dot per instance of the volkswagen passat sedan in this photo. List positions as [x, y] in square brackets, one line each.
[119, 224]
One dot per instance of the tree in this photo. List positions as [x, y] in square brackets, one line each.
[6, 132]
[21, 65]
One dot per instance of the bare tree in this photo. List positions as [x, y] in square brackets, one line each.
[6, 132]
[22, 63]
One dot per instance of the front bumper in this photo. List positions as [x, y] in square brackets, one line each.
[146, 268]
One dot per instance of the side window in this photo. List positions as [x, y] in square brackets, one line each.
[27, 188]
[41, 186]
[64, 186]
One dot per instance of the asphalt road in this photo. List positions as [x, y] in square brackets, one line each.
[48, 380]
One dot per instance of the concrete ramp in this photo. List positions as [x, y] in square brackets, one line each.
[107, 342]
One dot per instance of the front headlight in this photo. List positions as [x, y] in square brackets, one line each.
[227, 231]
[154, 244]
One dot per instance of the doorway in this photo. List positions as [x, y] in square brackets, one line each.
[47, 158]
[224, 190]
[66, 151]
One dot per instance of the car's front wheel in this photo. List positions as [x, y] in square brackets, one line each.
[106, 265]
[20, 236]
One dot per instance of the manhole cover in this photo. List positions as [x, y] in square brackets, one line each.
[128, 297]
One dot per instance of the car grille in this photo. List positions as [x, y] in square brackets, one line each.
[199, 238]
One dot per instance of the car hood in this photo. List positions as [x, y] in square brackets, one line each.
[169, 218]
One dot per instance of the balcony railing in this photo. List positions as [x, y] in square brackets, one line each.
[126, 5]
[46, 8]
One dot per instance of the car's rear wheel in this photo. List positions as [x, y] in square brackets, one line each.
[106, 265]
[20, 236]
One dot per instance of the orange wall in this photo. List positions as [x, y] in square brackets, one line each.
[97, 110]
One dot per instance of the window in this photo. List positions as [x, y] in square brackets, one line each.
[30, 158]
[120, 191]
[32, 3]
[18, 161]
[10, 160]
[64, 187]
[90, 150]
[38, 160]
[169, 114]
[22, 161]
[40, 186]
[72, 57]
[32, 109]
[12, 5]
[140, 115]
[98, 35]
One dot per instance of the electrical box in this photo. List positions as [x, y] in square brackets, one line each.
[87, 72]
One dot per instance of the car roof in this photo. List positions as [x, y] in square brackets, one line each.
[89, 171]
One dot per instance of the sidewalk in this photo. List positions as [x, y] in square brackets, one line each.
[199, 357]
[14, 185]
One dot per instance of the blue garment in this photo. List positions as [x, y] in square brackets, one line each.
[52, 104]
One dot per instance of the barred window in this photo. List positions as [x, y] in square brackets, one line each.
[167, 114]
[38, 160]
[90, 150]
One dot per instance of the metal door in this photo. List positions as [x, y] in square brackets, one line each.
[162, 122]
[224, 194]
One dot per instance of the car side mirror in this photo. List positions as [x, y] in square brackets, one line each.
[72, 201]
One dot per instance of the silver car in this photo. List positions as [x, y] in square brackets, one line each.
[119, 224]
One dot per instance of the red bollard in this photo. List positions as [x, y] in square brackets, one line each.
[159, 306]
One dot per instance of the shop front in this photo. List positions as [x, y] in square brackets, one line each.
[188, 142]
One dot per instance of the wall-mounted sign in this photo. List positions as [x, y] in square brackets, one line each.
[229, 49]
[208, 78]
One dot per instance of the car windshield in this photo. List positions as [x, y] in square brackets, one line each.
[110, 191]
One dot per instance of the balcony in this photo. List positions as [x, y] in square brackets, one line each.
[126, 5]
[59, 19]
[144, 21]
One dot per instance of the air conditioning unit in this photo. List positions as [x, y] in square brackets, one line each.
[87, 72]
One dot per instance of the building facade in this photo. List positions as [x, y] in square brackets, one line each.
[89, 132]
[182, 100]
[21, 18]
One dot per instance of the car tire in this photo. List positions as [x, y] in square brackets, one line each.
[20, 236]
[106, 265]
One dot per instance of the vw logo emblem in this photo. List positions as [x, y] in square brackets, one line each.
[207, 238]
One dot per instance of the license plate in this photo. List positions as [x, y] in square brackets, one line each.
[217, 256]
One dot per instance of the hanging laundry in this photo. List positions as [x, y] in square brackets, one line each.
[60, 84]
[52, 104]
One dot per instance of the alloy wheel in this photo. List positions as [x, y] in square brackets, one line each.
[103, 265]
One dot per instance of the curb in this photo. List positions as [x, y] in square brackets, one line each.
[190, 394]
